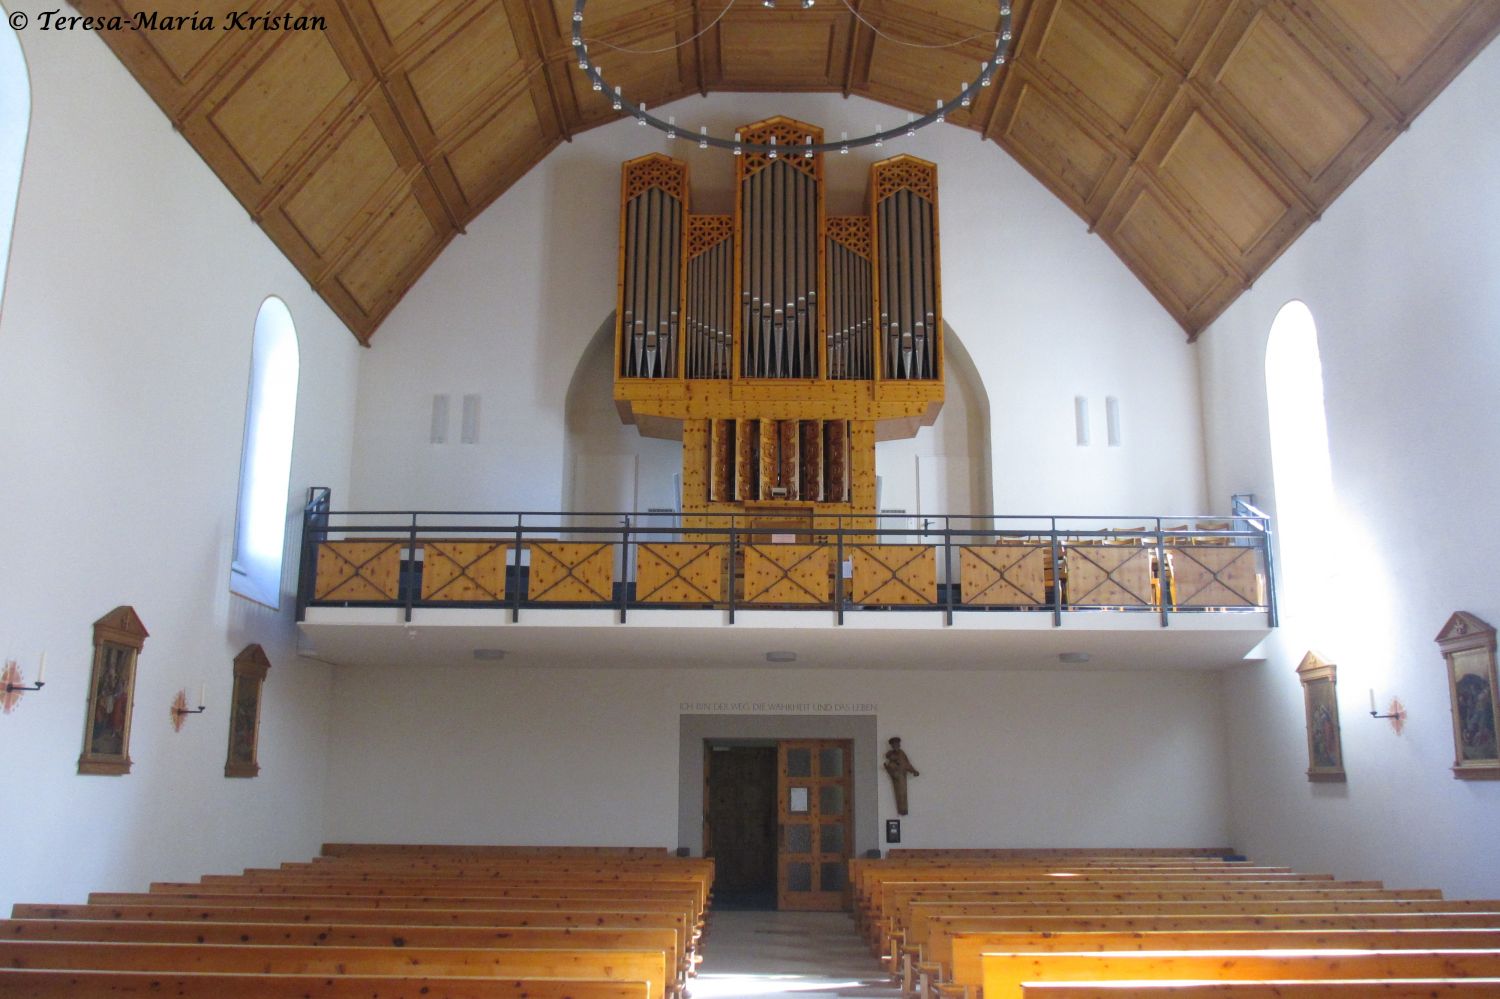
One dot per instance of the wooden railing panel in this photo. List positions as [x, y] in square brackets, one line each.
[895, 574]
[464, 570]
[358, 570]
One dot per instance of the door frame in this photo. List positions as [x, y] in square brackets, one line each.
[695, 729]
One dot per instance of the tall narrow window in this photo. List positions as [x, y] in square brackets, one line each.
[15, 119]
[1299, 440]
[266, 462]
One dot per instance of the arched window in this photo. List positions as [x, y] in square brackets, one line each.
[266, 461]
[15, 119]
[1299, 439]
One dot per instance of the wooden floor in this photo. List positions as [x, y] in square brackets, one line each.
[807, 955]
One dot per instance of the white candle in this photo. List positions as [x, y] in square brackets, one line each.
[41, 668]
[204, 686]
[1372, 700]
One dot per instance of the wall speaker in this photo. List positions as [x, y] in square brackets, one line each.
[439, 432]
[469, 434]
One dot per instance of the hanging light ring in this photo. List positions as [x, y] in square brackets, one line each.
[963, 99]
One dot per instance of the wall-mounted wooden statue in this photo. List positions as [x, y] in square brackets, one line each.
[899, 768]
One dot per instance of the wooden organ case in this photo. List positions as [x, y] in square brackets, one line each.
[779, 343]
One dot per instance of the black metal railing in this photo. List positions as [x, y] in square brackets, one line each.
[773, 559]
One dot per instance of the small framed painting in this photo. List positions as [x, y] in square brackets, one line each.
[1468, 647]
[1325, 741]
[250, 669]
[119, 637]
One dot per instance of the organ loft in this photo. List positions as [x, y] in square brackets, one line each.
[779, 343]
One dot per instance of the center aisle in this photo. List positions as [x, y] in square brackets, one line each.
[809, 955]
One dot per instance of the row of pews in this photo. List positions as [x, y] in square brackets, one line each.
[380, 922]
[1066, 924]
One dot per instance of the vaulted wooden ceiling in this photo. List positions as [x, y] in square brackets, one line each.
[1196, 137]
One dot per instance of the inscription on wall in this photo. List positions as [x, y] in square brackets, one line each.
[778, 707]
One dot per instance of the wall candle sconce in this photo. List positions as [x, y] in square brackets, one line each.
[180, 710]
[15, 684]
[1396, 713]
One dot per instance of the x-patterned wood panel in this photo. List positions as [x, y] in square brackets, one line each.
[568, 572]
[1004, 575]
[668, 573]
[1109, 576]
[894, 574]
[1217, 576]
[358, 570]
[464, 570]
[787, 574]
[1197, 137]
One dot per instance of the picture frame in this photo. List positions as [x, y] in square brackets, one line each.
[1468, 647]
[250, 669]
[1325, 737]
[119, 637]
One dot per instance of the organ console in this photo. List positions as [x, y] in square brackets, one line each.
[779, 343]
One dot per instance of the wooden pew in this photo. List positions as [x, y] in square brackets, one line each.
[929, 953]
[28, 983]
[1004, 973]
[354, 922]
[486, 850]
[666, 939]
[962, 960]
[898, 906]
[1417, 988]
[649, 966]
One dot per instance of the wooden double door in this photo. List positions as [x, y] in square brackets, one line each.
[779, 822]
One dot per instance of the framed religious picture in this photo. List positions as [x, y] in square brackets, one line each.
[250, 669]
[1468, 647]
[1320, 698]
[119, 637]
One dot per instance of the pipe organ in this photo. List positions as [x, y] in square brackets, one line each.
[779, 343]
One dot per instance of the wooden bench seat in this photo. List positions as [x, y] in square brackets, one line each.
[667, 939]
[1417, 988]
[898, 907]
[649, 966]
[958, 958]
[928, 952]
[486, 850]
[1004, 973]
[30, 983]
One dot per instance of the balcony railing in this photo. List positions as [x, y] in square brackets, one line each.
[777, 559]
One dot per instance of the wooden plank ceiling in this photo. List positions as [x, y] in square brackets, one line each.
[1196, 137]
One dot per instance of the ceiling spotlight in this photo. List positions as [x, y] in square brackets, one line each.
[781, 657]
[489, 655]
[1072, 657]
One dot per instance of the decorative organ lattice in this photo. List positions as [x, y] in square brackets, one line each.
[777, 342]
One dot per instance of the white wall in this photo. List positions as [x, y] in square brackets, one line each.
[500, 754]
[1401, 277]
[1046, 311]
[133, 287]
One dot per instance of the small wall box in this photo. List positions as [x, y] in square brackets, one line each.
[1468, 647]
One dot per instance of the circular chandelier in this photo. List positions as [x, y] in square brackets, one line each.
[963, 99]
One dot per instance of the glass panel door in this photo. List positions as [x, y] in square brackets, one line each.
[815, 813]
